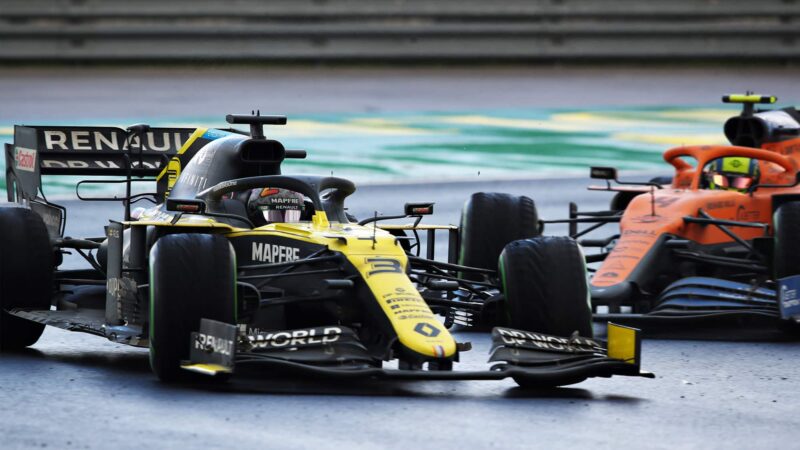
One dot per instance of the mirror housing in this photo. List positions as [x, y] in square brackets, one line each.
[418, 209]
[603, 173]
[191, 206]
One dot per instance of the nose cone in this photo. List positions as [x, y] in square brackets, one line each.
[613, 295]
[382, 265]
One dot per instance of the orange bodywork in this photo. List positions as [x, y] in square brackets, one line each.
[640, 228]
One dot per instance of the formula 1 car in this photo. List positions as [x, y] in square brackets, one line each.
[715, 247]
[238, 265]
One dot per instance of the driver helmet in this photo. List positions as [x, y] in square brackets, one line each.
[732, 173]
[275, 205]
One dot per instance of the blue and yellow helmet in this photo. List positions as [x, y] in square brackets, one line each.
[733, 173]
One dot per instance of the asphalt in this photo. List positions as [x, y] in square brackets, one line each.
[78, 391]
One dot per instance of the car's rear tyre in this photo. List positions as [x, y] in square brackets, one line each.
[403, 239]
[787, 240]
[26, 274]
[664, 180]
[192, 276]
[489, 221]
[622, 199]
[545, 284]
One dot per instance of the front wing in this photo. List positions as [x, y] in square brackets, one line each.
[701, 307]
[533, 359]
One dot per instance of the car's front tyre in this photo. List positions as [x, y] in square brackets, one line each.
[545, 284]
[192, 276]
[546, 289]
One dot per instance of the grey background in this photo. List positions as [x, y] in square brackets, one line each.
[399, 31]
[108, 94]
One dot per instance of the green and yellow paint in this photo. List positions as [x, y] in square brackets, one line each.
[476, 145]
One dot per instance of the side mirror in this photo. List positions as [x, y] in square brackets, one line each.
[603, 173]
[418, 209]
[192, 206]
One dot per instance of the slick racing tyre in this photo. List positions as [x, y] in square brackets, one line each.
[662, 180]
[787, 240]
[192, 276]
[404, 240]
[489, 221]
[546, 288]
[26, 274]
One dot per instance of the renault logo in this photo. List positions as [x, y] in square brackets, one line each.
[426, 329]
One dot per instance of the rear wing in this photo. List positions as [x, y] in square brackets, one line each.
[57, 150]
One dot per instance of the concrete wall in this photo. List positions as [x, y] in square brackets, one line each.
[399, 30]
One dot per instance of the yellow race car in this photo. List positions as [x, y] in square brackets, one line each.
[237, 264]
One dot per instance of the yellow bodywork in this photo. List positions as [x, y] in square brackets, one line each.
[173, 168]
[207, 369]
[382, 264]
[623, 343]
[372, 251]
[379, 259]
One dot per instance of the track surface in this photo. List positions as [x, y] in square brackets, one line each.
[78, 391]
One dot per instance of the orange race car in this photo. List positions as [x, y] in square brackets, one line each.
[718, 244]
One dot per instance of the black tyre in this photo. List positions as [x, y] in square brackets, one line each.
[26, 274]
[786, 252]
[403, 239]
[546, 288]
[192, 276]
[489, 221]
[662, 180]
[621, 199]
